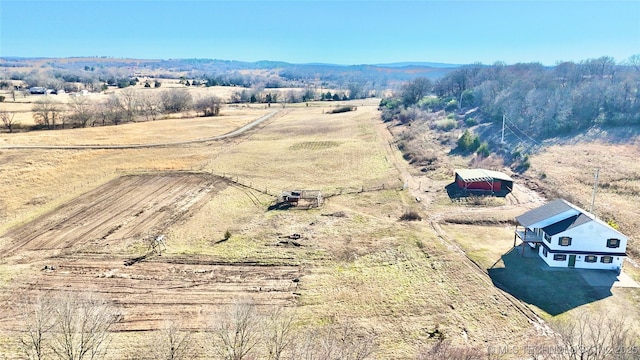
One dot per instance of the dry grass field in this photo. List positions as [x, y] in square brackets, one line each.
[89, 214]
[485, 231]
[570, 169]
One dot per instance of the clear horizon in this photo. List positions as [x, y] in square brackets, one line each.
[332, 32]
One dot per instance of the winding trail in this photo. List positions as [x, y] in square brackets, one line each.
[228, 135]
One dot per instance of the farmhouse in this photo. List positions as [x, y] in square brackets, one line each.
[483, 180]
[566, 236]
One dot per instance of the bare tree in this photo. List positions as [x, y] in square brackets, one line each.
[278, 332]
[634, 60]
[415, 90]
[38, 320]
[82, 110]
[8, 120]
[111, 111]
[209, 106]
[175, 101]
[352, 343]
[151, 106]
[46, 111]
[82, 327]
[237, 332]
[340, 342]
[171, 343]
[589, 336]
[129, 103]
[70, 327]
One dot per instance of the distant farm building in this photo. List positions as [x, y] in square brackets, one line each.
[481, 180]
[38, 90]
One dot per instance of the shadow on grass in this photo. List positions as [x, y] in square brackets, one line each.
[456, 193]
[554, 290]
[281, 206]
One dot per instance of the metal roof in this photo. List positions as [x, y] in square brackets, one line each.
[475, 175]
[543, 212]
[566, 224]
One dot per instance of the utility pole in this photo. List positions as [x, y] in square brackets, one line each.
[503, 120]
[595, 187]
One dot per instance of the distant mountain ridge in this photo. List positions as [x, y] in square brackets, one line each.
[419, 64]
[377, 76]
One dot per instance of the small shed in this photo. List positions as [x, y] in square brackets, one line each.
[306, 198]
[483, 180]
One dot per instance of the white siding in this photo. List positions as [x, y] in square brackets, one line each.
[580, 262]
[548, 259]
[591, 236]
[616, 264]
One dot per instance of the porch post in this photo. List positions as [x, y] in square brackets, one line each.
[515, 236]
[524, 242]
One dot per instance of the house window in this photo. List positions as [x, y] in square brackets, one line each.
[544, 252]
[613, 243]
[564, 241]
[590, 258]
[606, 259]
[559, 257]
[548, 238]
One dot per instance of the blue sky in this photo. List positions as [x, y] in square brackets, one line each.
[339, 32]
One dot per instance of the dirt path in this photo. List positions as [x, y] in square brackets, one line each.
[228, 135]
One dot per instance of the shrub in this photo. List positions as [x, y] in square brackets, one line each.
[2, 98]
[389, 103]
[446, 124]
[451, 105]
[471, 121]
[430, 102]
[483, 150]
[123, 83]
[468, 142]
[411, 216]
[227, 234]
[613, 224]
[343, 109]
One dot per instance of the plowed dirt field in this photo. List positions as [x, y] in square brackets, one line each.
[99, 242]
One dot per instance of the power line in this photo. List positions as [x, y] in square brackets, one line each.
[522, 132]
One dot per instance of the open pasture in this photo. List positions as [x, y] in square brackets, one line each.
[404, 282]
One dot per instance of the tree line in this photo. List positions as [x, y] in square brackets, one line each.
[541, 101]
[79, 326]
[126, 106]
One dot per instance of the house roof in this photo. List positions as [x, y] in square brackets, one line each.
[553, 208]
[474, 175]
[566, 224]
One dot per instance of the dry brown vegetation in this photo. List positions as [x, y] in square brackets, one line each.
[78, 220]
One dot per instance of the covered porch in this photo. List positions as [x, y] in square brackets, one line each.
[527, 236]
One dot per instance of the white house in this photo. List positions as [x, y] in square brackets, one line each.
[566, 236]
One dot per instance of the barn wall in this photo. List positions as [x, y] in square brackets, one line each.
[484, 185]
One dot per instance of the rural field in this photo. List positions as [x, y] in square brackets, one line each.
[81, 220]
